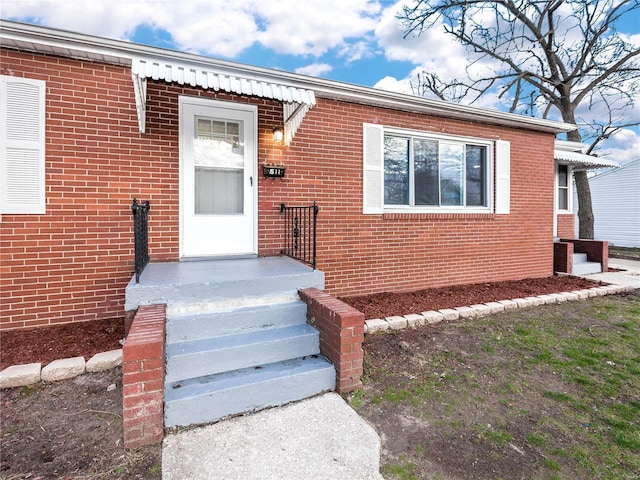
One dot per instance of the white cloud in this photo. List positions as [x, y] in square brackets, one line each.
[315, 69]
[623, 147]
[217, 27]
[432, 51]
[315, 26]
[392, 84]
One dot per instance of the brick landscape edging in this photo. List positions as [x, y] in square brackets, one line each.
[143, 378]
[431, 317]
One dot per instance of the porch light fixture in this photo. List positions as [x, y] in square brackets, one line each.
[278, 134]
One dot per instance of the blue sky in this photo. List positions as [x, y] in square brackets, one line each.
[355, 41]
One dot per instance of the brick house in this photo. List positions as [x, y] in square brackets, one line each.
[108, 123]
[412, 192]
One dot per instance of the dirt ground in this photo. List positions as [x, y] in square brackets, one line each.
[73, 429]
[70, 429]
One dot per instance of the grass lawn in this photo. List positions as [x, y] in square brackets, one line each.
[624, 252]
[551, 392]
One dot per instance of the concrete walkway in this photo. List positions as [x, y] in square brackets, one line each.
[317, 438]
[629, 277]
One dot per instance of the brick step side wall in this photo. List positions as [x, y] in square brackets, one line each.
[143, 378]
[341, 335]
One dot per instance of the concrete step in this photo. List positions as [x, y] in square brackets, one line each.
[190, 287]
[210, 398]
[580, 258]
[184, 328]
[586, 268]
[582, 265]
[232, 352]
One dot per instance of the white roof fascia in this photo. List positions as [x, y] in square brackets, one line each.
[75, 45]
[570, 146]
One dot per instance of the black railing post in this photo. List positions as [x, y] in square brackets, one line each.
[140, 235]
[300, 233]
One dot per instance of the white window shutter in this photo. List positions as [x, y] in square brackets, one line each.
[373, 169]
[503, 176]
[22, 145]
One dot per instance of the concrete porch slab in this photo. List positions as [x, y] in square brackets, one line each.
[218, 282]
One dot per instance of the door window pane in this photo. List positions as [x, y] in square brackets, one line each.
[218, 191]
[396, 171]
[425, 159]
[218, 153]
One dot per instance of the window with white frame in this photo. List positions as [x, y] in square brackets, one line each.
[416, 171]
[426, 172]
[563, 187]
[22, 145]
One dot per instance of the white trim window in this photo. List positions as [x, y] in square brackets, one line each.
[22, 146]
[419, 172]
[563, 185]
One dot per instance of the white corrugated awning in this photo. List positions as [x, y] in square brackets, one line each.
[581, 161]
[299, 100]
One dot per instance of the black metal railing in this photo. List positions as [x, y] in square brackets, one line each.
[300, 233]
[140, 235]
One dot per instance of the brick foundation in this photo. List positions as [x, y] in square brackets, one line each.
[143, 378]
[341, 334]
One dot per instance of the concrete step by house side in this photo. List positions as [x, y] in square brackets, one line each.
[582, 266]
[207, 399]
[183, 328]
[232, 352]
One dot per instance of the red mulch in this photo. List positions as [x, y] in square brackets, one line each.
[387, 304]
[46, 344]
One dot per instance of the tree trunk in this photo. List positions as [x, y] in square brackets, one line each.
[585, 211]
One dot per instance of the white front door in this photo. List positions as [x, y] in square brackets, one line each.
[217, 178]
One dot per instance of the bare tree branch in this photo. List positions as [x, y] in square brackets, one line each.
[559, 55]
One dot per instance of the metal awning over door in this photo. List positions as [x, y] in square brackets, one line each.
[296, 101]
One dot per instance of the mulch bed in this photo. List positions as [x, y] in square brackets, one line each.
[46, 344]
[387, 304]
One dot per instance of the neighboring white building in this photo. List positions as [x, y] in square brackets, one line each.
[615, 195]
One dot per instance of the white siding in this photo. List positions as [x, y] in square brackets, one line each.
[616, 205]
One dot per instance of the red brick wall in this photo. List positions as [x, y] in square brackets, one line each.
[73, 263]
[372, 253]
[143, 378]
[563, 257]
[566, 225]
